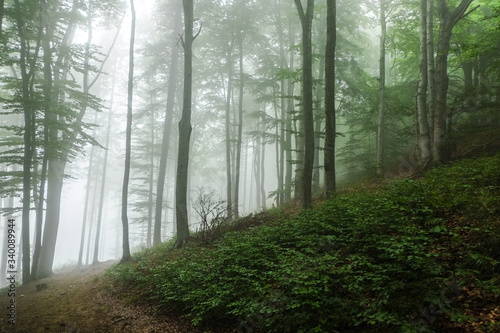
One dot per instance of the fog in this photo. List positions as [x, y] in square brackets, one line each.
[66, 75]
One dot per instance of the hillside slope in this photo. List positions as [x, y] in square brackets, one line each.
[412, 256]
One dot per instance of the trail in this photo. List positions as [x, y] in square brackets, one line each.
[75, 300]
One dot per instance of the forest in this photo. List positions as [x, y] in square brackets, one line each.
[278, 136]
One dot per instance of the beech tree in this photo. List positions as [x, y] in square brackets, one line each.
[169, 111]
[382, 93]
[306, 18]
[330, 128]
[128, 141]
[447, 20]
[424, 140]
[185, 130]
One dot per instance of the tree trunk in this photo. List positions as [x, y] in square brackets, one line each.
[330, 124]
[49, 117]
[318, 121]
[185, 131]
[307, 100]
[447, 21]
[103, 186]
[167, 130]
[229, 91]
[431, 70]
[57, 161]
[126, 177]
[382, 106]
[86, 206]
[256, 168]
[27, 75]
[151, 176]
[424, 142]
[240, 130]
[289, 124]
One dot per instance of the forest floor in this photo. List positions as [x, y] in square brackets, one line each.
[74, 300]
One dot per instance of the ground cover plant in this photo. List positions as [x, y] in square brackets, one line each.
[409, 256]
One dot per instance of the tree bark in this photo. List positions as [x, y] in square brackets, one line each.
[240, 130]
[185, 129]
[229, 91]
[431, 70]
[128, 142]
[424, 142]
[306, 18]
[447, 19]
[382, 104]
[330, 123]
[103, 187]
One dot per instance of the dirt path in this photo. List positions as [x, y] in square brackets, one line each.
[74, 301]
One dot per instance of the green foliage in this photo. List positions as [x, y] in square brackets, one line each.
[390, 259]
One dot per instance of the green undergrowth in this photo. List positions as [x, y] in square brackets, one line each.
[410, 256]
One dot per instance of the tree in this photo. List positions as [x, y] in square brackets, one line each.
[169, 112]
[185, 130]
[128, 141]
[239, 138]
[67, 131]
[447, 20]
[424, 140]
[431, 70]
[330, 130]
[381, 80]
[306, 18]
[27, 64]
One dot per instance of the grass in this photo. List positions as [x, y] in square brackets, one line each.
[413, 256]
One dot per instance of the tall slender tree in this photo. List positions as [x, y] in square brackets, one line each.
[424, 142]
[381, 79]
[330, 123]
[126, 176]
[306, 18]
[431, 69]
[239, 138]
[185, 129]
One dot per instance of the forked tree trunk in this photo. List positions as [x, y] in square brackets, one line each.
[447, 19]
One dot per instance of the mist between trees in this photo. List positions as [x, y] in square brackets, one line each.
[276, 101]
